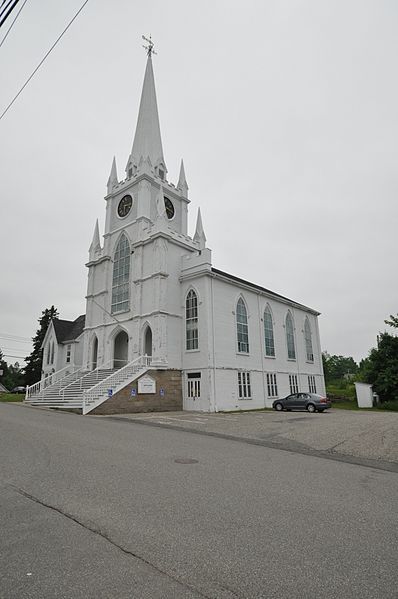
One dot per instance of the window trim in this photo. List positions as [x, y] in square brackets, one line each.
[268, 313]
[244, 385]
[272, 385]
[68, 353]
[240, 351]
[308, 341]
[193, 319]
[294, 384]
[289, 318]
[312, 383]
[126, 256]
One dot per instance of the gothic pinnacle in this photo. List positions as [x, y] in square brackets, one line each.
[112, 181]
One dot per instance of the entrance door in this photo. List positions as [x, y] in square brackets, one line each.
[192, 393]
[120, 352]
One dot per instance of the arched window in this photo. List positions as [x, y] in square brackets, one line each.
[48, 352]
[308, 341]
[121, 276]
[242, 328]
[191, 320]
[269, 333]
[52, 353]
[291, 350]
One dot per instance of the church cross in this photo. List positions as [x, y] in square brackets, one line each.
[149, 48]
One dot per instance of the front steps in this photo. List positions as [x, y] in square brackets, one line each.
[86, 390]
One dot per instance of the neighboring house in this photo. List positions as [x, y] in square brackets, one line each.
[3, 389]
[62, 345]
[153, 290]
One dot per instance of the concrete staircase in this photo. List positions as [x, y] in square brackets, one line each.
[85, 390]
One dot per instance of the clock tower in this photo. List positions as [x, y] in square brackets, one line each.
[133, 296]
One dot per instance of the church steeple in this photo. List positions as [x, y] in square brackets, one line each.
[147, 143]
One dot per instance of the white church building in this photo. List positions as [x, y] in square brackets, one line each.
[164, 328]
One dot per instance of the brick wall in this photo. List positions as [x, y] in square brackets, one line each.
[124, 403]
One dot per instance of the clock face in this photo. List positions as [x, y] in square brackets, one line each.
[124, 206]
[169, 208]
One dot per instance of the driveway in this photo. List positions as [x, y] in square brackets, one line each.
[368, 438]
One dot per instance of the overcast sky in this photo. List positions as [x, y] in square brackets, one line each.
[285, 113]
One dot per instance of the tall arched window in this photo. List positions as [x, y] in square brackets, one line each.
[308, 341]
[191, 320]
[121, 276]
[269, 333]
[242, 328]
[52, 352]
[291, 350]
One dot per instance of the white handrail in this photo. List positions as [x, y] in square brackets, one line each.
[48, 381]
[89, 373]
[114, 379]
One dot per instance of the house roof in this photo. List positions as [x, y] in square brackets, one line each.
[69, 330]
[3, 389]
[263, 289]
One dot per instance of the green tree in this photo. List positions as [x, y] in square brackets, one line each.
[393, 322]
[12, 374]
[380, 368]
[32, 369]
[336, 367]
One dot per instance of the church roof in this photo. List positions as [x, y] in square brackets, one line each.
[147, 139]
[259, 288]
[69, 330]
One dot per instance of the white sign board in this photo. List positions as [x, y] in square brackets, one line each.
[146, 384]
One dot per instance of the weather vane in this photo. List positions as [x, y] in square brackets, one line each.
[149, 48]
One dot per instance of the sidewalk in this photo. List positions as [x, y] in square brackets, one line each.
[360, 435]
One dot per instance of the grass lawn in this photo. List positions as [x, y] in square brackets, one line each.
[348, 405]
[389, 406]
[12, 397]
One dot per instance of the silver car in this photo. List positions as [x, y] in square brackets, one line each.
[312, 402]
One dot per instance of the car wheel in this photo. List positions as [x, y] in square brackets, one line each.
[311, 408]
[278, 407]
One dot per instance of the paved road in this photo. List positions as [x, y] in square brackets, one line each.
[98, 508]
[356, 436]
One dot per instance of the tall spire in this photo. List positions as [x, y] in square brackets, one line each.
[95, 244]
[182, 182]
[200, 236]
[147, 140]
[112, 181]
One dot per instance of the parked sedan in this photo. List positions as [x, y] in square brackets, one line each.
[18, 390]
[312, 402]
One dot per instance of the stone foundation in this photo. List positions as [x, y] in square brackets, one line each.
[124, 402]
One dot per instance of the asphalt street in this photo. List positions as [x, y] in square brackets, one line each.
[100, 508]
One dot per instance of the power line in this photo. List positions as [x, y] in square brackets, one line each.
[10, 27]
[43, 59]
[7, 10]
[10, 337]
[11, 356]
